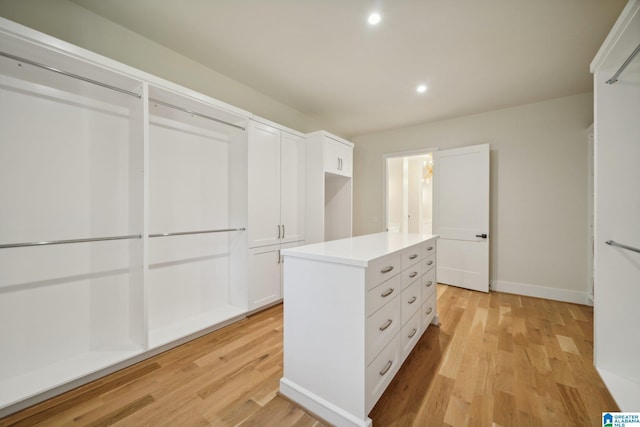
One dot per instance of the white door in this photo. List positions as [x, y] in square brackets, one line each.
[264, 276]
[264, 185]
[461, 216]
[292, 184]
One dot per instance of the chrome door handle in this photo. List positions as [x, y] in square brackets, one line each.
[387, 293]
[278, 231]
[412, 300]
[386, 269]
[283, 231]
[429, 311]
[386, 368]
[413, 332]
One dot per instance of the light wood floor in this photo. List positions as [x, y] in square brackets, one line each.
[497, 360]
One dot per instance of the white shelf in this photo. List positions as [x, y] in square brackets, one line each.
[191, 325]
[29, 384]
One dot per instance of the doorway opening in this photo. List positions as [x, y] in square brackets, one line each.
[409, 192]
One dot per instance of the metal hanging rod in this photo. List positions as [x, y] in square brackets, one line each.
[626, 63]
[184, 233]
[64, 242]
[620, 245]
[195, 113]
[75, 76]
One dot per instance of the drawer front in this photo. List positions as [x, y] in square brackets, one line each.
[411, 301]
[383, 293]
[428, 312]
[411, 332]
[411, 256]
[429, 263]
[429, 248]
[428, 284]
[411, 274]
[381, 327]
[381, 371]
[383, 268]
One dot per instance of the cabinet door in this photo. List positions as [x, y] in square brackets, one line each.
[292, 187]
[330, 156]
[345, 154]
[264, 185]
[264, 276]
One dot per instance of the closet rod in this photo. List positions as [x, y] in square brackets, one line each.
[626, 63]
[63, 242]
[620, 245]
[184, 233]
[195, 113]
[66, 73]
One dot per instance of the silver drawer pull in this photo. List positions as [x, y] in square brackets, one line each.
[414, 274]
[429, 262]
[386, 368]
[387, 292]
[412, 300]
[386, 269]
[413, 332]
[429, 283]
[387, 324]
[429, 311]
[429, 248]
[414, 256]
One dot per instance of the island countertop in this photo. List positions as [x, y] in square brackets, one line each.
[358, 251]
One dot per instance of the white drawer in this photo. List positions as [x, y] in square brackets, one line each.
[381, 327]
[411, 274]
[411, 256]
[383, 268]
[429, 248]
[428, 284]
[428, 262]
[381, 371]
[411, 301]
[410, 333]
[383, 293]
[428, 312]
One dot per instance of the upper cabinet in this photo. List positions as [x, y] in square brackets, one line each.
[276, 185]
[337, 154]
[329, 187]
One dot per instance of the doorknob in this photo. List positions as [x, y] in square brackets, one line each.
[484, 236]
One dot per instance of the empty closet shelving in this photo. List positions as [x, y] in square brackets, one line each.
[123, 220]
[68, 154]
[197, 216]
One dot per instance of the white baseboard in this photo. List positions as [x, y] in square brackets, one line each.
[555, 294]
[625, 392]
[320, 407]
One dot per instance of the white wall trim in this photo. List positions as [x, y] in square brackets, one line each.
[623, 390]
[564, 295]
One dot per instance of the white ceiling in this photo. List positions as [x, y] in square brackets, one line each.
[323, 59]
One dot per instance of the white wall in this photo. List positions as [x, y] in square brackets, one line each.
[538, 189]
[74, 24]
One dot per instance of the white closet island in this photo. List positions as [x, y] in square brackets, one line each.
[354, 310]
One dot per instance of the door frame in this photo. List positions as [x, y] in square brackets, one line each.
[385, 157]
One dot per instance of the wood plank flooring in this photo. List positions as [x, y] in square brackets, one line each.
[496, 360]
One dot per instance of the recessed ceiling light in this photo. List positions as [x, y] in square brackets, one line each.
[374, 18]
[421, 88]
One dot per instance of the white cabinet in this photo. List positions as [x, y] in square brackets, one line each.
[276, 185]
[355, 308]
[329, 187]
[276, 206]
[337, 157]
[265, 275]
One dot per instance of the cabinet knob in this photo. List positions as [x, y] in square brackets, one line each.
[429, 310]
[429, 248]
[412, 333]
[430, 263]
[386, 269]
[414, 256]
[414, 274]
[412, 300]
[429, 283]
[387, 292]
